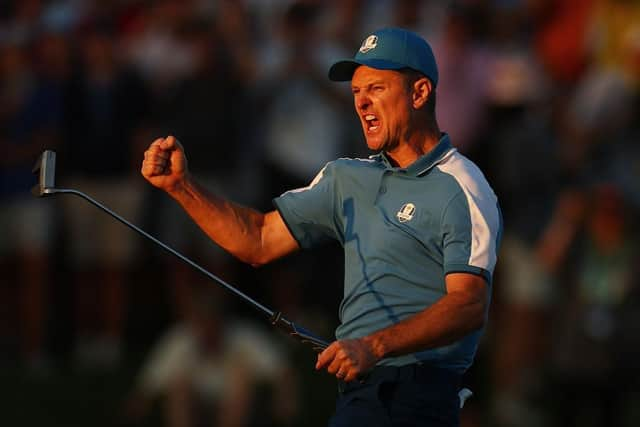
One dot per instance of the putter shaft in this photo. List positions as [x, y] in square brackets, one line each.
[164, 246]
[45, 168]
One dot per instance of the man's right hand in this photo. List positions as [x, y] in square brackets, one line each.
[165, 164]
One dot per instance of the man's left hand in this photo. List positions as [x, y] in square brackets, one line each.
[347, 359]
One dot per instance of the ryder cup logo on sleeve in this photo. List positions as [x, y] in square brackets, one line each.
[369, 43]
[406, 212]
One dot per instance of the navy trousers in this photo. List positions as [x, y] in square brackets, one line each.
[412, 395]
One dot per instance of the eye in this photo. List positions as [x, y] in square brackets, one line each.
[378, 88]
[355, 90]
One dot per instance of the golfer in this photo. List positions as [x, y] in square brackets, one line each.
[420, 227]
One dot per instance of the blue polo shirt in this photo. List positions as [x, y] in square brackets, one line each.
[403, 230]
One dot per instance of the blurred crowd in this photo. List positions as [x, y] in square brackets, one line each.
[542, 94]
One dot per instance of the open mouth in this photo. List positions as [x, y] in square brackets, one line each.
[372, 122]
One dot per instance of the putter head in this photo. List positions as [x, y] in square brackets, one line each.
[45, 169]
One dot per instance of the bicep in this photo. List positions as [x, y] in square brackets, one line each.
[277, 240]
[471, 293]
[470, 286]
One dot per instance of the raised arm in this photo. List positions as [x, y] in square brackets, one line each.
[249, 235]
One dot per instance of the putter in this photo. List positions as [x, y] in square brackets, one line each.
[45, 168]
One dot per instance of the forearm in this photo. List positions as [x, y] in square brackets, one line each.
[448, 320]
[461, 311]
[235, 228]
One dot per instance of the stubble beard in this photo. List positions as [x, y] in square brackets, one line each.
[388, 145]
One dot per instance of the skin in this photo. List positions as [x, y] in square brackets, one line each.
[251, 236]
[258, 238]
[398, 108]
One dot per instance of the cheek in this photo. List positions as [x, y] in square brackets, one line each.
[405, 111]
[397, 116]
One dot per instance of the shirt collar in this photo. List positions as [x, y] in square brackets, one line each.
[423, 163]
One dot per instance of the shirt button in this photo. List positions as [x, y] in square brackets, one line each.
[383, 189]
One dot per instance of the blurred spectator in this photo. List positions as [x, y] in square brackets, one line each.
[532, 280]
[204, 110]
[107, 105]
[423, 17]
[233, 22]
[209, 370]
[561, 38]
[516, 76]
[525, 123]
[299, 136]
[153, 47]
[596, 347]
[24, 22]
[464, 68]
[616, 39]
[31, 114]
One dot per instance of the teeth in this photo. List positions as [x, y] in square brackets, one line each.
[369, 117]
[372, 128]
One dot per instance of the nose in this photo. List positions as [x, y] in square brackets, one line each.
[362, 101]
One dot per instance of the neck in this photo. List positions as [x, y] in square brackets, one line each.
[412, 149]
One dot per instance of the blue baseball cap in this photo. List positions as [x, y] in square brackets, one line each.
[389, 49]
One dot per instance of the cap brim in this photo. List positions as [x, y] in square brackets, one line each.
[342, 71]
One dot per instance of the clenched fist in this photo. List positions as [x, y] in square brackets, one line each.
[348, 359]
[165, 164]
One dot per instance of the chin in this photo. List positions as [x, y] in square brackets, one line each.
[375, 145]
[376, 148]
[380, 146]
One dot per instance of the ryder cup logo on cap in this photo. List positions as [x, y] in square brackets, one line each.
[389, 49]
[369, 43]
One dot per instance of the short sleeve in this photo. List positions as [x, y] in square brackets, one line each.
[308, 212]
[469, 236]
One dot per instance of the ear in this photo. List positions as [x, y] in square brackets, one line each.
[421, 91]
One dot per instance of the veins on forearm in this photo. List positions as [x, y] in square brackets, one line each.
[235, 228]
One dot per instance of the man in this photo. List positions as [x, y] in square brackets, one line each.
[419, 225]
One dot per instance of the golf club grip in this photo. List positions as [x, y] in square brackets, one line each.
[275, 317]
[297, 332]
